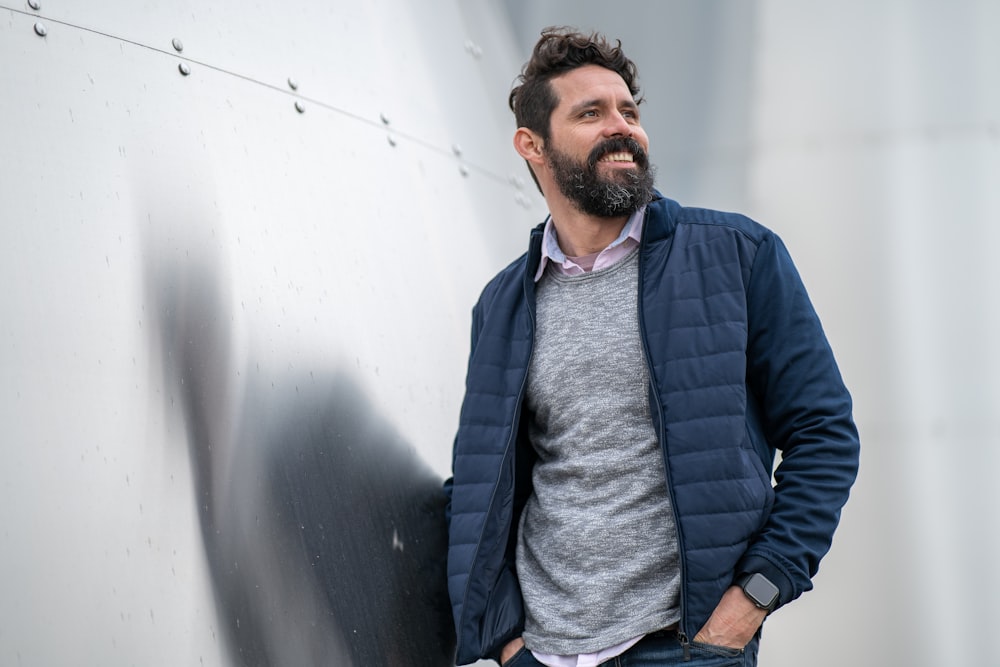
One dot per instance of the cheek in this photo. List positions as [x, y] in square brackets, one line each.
[640, 135]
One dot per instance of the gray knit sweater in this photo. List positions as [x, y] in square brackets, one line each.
[597, 546]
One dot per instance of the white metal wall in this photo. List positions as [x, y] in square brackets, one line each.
[330, 184]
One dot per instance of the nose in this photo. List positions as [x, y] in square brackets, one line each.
[617, 126]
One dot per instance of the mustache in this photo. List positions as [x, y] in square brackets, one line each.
[618, 145]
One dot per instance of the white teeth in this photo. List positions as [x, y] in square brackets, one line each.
[618, 157]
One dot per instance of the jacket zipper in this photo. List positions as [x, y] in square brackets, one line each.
[511, 441]
[661, 432]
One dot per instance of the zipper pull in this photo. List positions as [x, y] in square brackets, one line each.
[685, 644]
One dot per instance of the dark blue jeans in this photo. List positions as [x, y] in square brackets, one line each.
[665, 652]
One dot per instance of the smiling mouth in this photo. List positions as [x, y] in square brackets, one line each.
[622, 156]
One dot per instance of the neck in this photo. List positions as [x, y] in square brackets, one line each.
[582, 234]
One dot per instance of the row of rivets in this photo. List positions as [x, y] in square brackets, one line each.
[40, 28]
[463, 168]
[385, 121]
[519, 197]
[299, 105]
[185, 70]
[183, 67]
[455, 148]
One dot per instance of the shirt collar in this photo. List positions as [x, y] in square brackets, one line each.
[552, 252]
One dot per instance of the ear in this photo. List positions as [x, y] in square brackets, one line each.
[529, 145]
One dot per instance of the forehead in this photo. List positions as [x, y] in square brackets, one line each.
[589, 82]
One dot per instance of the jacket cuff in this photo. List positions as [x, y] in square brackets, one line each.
[751, 564]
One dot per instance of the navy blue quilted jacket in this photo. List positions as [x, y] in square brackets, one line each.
[740, 369]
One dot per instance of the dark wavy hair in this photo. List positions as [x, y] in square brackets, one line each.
[558, 51]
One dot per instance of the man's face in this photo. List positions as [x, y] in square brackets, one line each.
[597, 151]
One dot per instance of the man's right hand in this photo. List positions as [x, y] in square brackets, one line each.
[512, 647]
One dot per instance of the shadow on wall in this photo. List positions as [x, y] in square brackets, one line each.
[324, 531]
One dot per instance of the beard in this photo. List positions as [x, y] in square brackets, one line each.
[621, 193]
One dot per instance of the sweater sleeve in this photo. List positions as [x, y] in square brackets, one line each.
[806, 414]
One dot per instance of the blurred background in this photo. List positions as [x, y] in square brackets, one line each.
[239, 244]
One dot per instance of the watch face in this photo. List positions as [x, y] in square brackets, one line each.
[759, 589]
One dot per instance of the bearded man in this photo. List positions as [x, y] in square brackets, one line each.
[631, 379]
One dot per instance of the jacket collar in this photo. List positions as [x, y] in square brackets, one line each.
[661, 219]
[660, 222]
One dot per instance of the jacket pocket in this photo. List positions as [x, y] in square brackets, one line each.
[513, 660]
[759, 476]
[504, 616]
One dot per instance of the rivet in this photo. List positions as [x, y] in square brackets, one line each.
[184, 69]
[34, 4]
[391, 139]
[40, 30]
[293, 84]
[456, 149]
[385, 119]
[178, 45]
[463, 169]
[301, 108]
[473, 49]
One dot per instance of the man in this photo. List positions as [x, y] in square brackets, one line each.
[630, 380]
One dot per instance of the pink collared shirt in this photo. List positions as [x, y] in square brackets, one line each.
[551, 252]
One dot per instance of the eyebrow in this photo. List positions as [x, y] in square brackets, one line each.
[584, 105]
[631, 104]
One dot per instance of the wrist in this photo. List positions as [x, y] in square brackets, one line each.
[510, 648]
[760, 590]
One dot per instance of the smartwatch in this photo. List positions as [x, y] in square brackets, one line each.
[759, 590]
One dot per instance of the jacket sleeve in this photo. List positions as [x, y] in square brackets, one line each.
[806, 413]
[450, 482]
